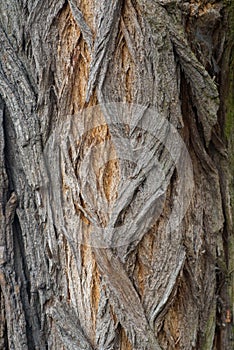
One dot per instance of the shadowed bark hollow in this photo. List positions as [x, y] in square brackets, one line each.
[116, 142]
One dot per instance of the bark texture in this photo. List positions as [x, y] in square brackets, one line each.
[63, 285]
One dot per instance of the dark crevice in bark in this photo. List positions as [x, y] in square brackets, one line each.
[215, 156]
[224, 330]
[5, 191]
[3, 324]
[20, 264]
[9, 152]
[30, 307]
[23, 278]
[50, 98]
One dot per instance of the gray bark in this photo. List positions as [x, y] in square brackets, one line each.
[116, 227]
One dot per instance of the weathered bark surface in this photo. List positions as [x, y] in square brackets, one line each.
[159, 279]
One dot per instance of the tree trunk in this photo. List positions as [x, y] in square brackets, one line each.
[116, 122]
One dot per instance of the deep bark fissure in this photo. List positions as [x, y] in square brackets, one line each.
[23, 278]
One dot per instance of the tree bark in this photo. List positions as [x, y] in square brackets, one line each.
[116, 143]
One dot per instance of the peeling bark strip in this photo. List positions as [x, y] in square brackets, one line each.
[114, 203]
[108, 16]
[86, 31]
[126, 301]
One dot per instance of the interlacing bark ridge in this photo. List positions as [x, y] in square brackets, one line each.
[114, 205]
